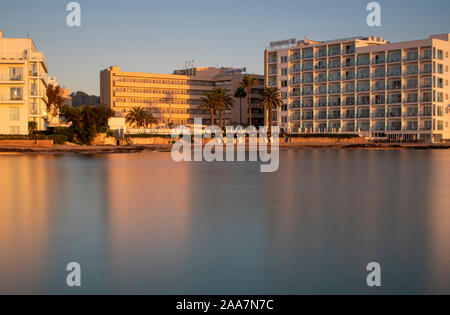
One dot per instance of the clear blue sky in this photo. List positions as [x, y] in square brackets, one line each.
[158, 36]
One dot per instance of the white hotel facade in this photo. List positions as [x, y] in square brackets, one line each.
[363, 85]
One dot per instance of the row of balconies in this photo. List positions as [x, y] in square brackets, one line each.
[345, 116]
[362, 75]
[376, 58]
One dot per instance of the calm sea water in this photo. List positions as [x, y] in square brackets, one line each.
[141, 223]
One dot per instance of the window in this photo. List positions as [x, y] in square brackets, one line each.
[14, 113]
[284, 59]
[284, 83]
[16, 74]
[440, 125]
[14, 130]
[440, 54]
[15, 93]
[440, 68]
[284, 71]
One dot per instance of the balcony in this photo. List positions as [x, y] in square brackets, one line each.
[333, 65]
[272, 83]
[412, 57]
[307, 105]
[378, 88]
[272, 60]
[426, 56]
[307, 92]
[394, 73]
[321, 91]
[321, 53]
[294, 93]
[380, 114]
[8, 97]
[394, 114]
[349, 89]
[333, 90]
[348, 51]
[294, 70]
[334, 103]
[334, 52]
[334, 78]
[295, 57]
[321, 116]
[294, 105]
[321, 79]
[363, 88]
[349, 77]
[6, 77]
[348, 64]
[379, 74]
[307, 55]
[394, 58]
[334, 115]
[363, 62]
[307, 68]
[392, 87]
[412, 100]
[378, 61]
[410, 114]
[412, 72]
[425, 71]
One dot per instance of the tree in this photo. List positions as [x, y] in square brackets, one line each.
[224, 101]
[87, 121]
[240, 94]
[136, 116]
[209, 102]
[55, 100]
[32, 126]
[248, 82]
[149, 120]
[271, 98]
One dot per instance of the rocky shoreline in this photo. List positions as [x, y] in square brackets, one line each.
[106, 149]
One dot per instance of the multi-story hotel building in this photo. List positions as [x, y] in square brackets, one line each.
[364, 85]
[23, 84]
[173, 99]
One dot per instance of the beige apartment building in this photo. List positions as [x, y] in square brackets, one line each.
[173, 99]
[23, 85]
[363, 85]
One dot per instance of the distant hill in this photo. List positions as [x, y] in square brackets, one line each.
[80, 98]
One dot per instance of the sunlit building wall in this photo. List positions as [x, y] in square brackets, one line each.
[173, 99]
[363, 85]
[23, 85]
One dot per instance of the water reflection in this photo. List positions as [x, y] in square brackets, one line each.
[140, 223]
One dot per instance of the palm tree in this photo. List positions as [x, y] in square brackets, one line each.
[249, 82]
[209, 102]
[240, 94]
[136, 116]
[271, 98]
[149, 119]
[224, 101]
